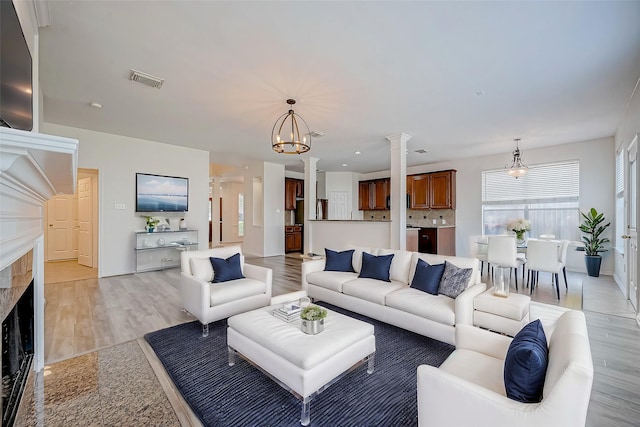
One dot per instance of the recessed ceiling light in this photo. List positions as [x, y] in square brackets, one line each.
[358, 152]
[479, 92]
[344, 165]
[96, 105]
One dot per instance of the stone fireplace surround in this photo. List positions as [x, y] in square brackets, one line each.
[33, 168]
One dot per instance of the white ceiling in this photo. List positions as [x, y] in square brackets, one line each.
[548, 72]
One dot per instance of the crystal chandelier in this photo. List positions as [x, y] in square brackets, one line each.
[286, 137]
[517, 168]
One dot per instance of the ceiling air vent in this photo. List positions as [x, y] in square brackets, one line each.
[316, 134]
[422, 151]
[146, 79]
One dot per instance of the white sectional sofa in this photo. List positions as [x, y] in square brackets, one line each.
[395, 302]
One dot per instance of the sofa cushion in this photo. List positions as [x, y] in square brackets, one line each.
[226, 269]
[233, 290]
[462, 262]
[371, 289]
[330, 279]
[438, 308]
[400, 264]
[525, 365]
[427, 277]
[454, 280]
[357, 256]
[201, 269]
[339, 261]
[376, 267]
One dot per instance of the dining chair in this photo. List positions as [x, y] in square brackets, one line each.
[478, 248]
[545, 256]
[564, 246]
[502, 252]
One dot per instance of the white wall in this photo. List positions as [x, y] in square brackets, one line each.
[229, 194]
[267, 239]
[117, 159]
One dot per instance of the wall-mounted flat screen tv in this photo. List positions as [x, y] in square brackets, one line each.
[158, 193]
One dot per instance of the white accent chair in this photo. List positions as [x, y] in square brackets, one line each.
[210, 302]
[502, 252]
[468, 388]
[545, 256]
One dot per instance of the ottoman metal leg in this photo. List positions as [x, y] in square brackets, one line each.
[305, 416]
[232, 356]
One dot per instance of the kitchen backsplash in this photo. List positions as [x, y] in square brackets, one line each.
[418, 218]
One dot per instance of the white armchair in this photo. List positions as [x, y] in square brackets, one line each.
[468, 388]
[210, 302]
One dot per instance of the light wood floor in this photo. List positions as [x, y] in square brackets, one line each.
[84, 315]
[64, 271]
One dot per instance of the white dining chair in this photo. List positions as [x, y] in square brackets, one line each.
[544, 255]
[502, 252]
[478, 247]
[564, 247]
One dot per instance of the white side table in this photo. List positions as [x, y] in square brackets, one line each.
[499, 314]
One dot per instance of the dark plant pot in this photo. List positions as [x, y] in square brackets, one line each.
[593, 264]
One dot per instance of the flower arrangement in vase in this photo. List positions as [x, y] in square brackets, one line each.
[151, 223]
[312, 319]
[519, 226]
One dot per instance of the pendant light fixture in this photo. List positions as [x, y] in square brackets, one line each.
[286, 136]
[517, 168]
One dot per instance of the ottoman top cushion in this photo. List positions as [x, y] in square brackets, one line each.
[289, 342]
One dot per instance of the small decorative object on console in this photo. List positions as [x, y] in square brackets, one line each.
[312, 319]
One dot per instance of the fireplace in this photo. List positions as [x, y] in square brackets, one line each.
[17, 354]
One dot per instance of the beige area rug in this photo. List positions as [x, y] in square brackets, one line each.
[66, 271]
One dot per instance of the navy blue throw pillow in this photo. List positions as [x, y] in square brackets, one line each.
[226, 269]
[339, 261]
[376, 267]
[525, 366]
[427, 277]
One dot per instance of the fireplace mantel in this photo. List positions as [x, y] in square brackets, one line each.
[33, 168]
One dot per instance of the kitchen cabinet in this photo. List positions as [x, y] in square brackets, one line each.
[435, 190]
[437, 240]
[293, 189]
[374, 195]
[293, 238]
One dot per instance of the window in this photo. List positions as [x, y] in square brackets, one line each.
[548, 196]
[620, 202]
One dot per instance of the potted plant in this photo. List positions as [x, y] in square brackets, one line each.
[151, 223]
[312, 319]
[593, 228]
[519, 226]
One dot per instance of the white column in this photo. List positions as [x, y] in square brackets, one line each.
[215, 211]
[38, 304]
[310, 200]
[398, 190]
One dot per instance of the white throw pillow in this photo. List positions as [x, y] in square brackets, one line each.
[201, 269]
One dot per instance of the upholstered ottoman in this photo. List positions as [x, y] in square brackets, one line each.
[499, 314]
[303, 364]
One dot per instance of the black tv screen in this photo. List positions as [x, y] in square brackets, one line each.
[158, 193]
[16, 99]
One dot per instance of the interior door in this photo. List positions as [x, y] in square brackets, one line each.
[62, 219]
[85, 237]
[631, 254]
[338, 205]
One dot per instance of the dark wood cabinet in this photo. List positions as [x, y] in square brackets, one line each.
[293, 189]
[435, 190]
[374, 194]
[441, 241]
[293, 238]
[364, 196]
[420, 188]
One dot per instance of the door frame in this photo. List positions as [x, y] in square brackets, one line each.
[631, 262]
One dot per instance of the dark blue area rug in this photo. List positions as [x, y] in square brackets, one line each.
[241, 395]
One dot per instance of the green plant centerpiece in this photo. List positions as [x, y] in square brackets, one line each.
[312, 319]
[592, 226]
[151, 223]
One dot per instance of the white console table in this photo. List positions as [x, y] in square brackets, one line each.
[161, 249]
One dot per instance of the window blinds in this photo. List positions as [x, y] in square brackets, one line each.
[544, 183]
[620, 172]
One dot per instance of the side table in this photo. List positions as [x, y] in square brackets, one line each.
[503, 315]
